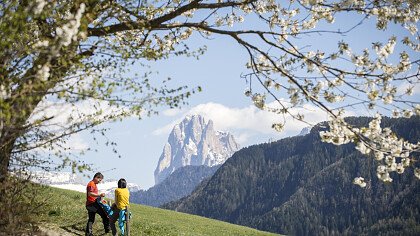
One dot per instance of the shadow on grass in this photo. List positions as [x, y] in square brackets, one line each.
[77, 228]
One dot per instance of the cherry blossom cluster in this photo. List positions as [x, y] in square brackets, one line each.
[64, 36]
[289, 69]
[4, 92]
[392, 154]
[374, 78]
[69, 31]
[39, 6]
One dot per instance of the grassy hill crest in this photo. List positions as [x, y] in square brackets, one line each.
[66, 214]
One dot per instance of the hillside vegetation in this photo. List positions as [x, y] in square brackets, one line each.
[177, 185]
[66, 213]
[302, 186]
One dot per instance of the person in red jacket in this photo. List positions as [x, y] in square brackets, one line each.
[92, 206]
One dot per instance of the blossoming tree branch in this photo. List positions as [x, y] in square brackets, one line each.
[75, 54]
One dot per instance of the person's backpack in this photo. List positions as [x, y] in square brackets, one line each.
[104, 204]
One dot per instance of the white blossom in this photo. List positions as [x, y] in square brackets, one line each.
[186, 34]
[384, 177]
[392, 153]
[39, 6]
[4, 93]
[405, 162]
[412, 28]
[278, 127]
[379, 156]
[387, 49]
[362, 148]
[259, 101]
[395, 113]
[43, 72]
[69, 31]
[405, 63]
[407, 113]
[373, 95]
[359, 181]
[39, 44]
[268, 83]
[417, 109]
[417, 173]
[388, 99]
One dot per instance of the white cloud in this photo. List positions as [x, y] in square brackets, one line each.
[73, 144]
[63, 115]
[242, 138]
[248, 122]
[165, 130]
[62, 112]
[172, 112]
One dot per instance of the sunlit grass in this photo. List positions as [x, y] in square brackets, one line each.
[66, 210]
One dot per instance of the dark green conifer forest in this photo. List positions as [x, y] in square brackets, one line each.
[179, 184]
[302, 186]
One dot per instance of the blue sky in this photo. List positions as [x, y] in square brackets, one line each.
[140, 142]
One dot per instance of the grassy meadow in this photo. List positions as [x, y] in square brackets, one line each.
[65, 212]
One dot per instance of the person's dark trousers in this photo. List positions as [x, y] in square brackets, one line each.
[92, 210]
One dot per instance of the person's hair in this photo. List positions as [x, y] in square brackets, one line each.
[99, 174]
[122, 183]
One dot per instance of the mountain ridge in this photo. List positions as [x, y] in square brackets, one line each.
[301, 186]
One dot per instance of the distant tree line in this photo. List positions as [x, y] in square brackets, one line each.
[177, 185]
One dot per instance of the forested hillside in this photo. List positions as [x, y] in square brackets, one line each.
[179, 184]
[303, 186]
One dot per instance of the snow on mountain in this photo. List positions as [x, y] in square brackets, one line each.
[70, 181]
[194, 142]
[54, 177]
[305, 131]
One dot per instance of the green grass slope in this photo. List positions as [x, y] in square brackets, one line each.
[66, 213]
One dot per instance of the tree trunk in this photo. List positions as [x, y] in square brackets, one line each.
[127, 221]
[5, 155]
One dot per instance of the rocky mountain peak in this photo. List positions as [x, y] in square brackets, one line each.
[305, 131]
[194, 141]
